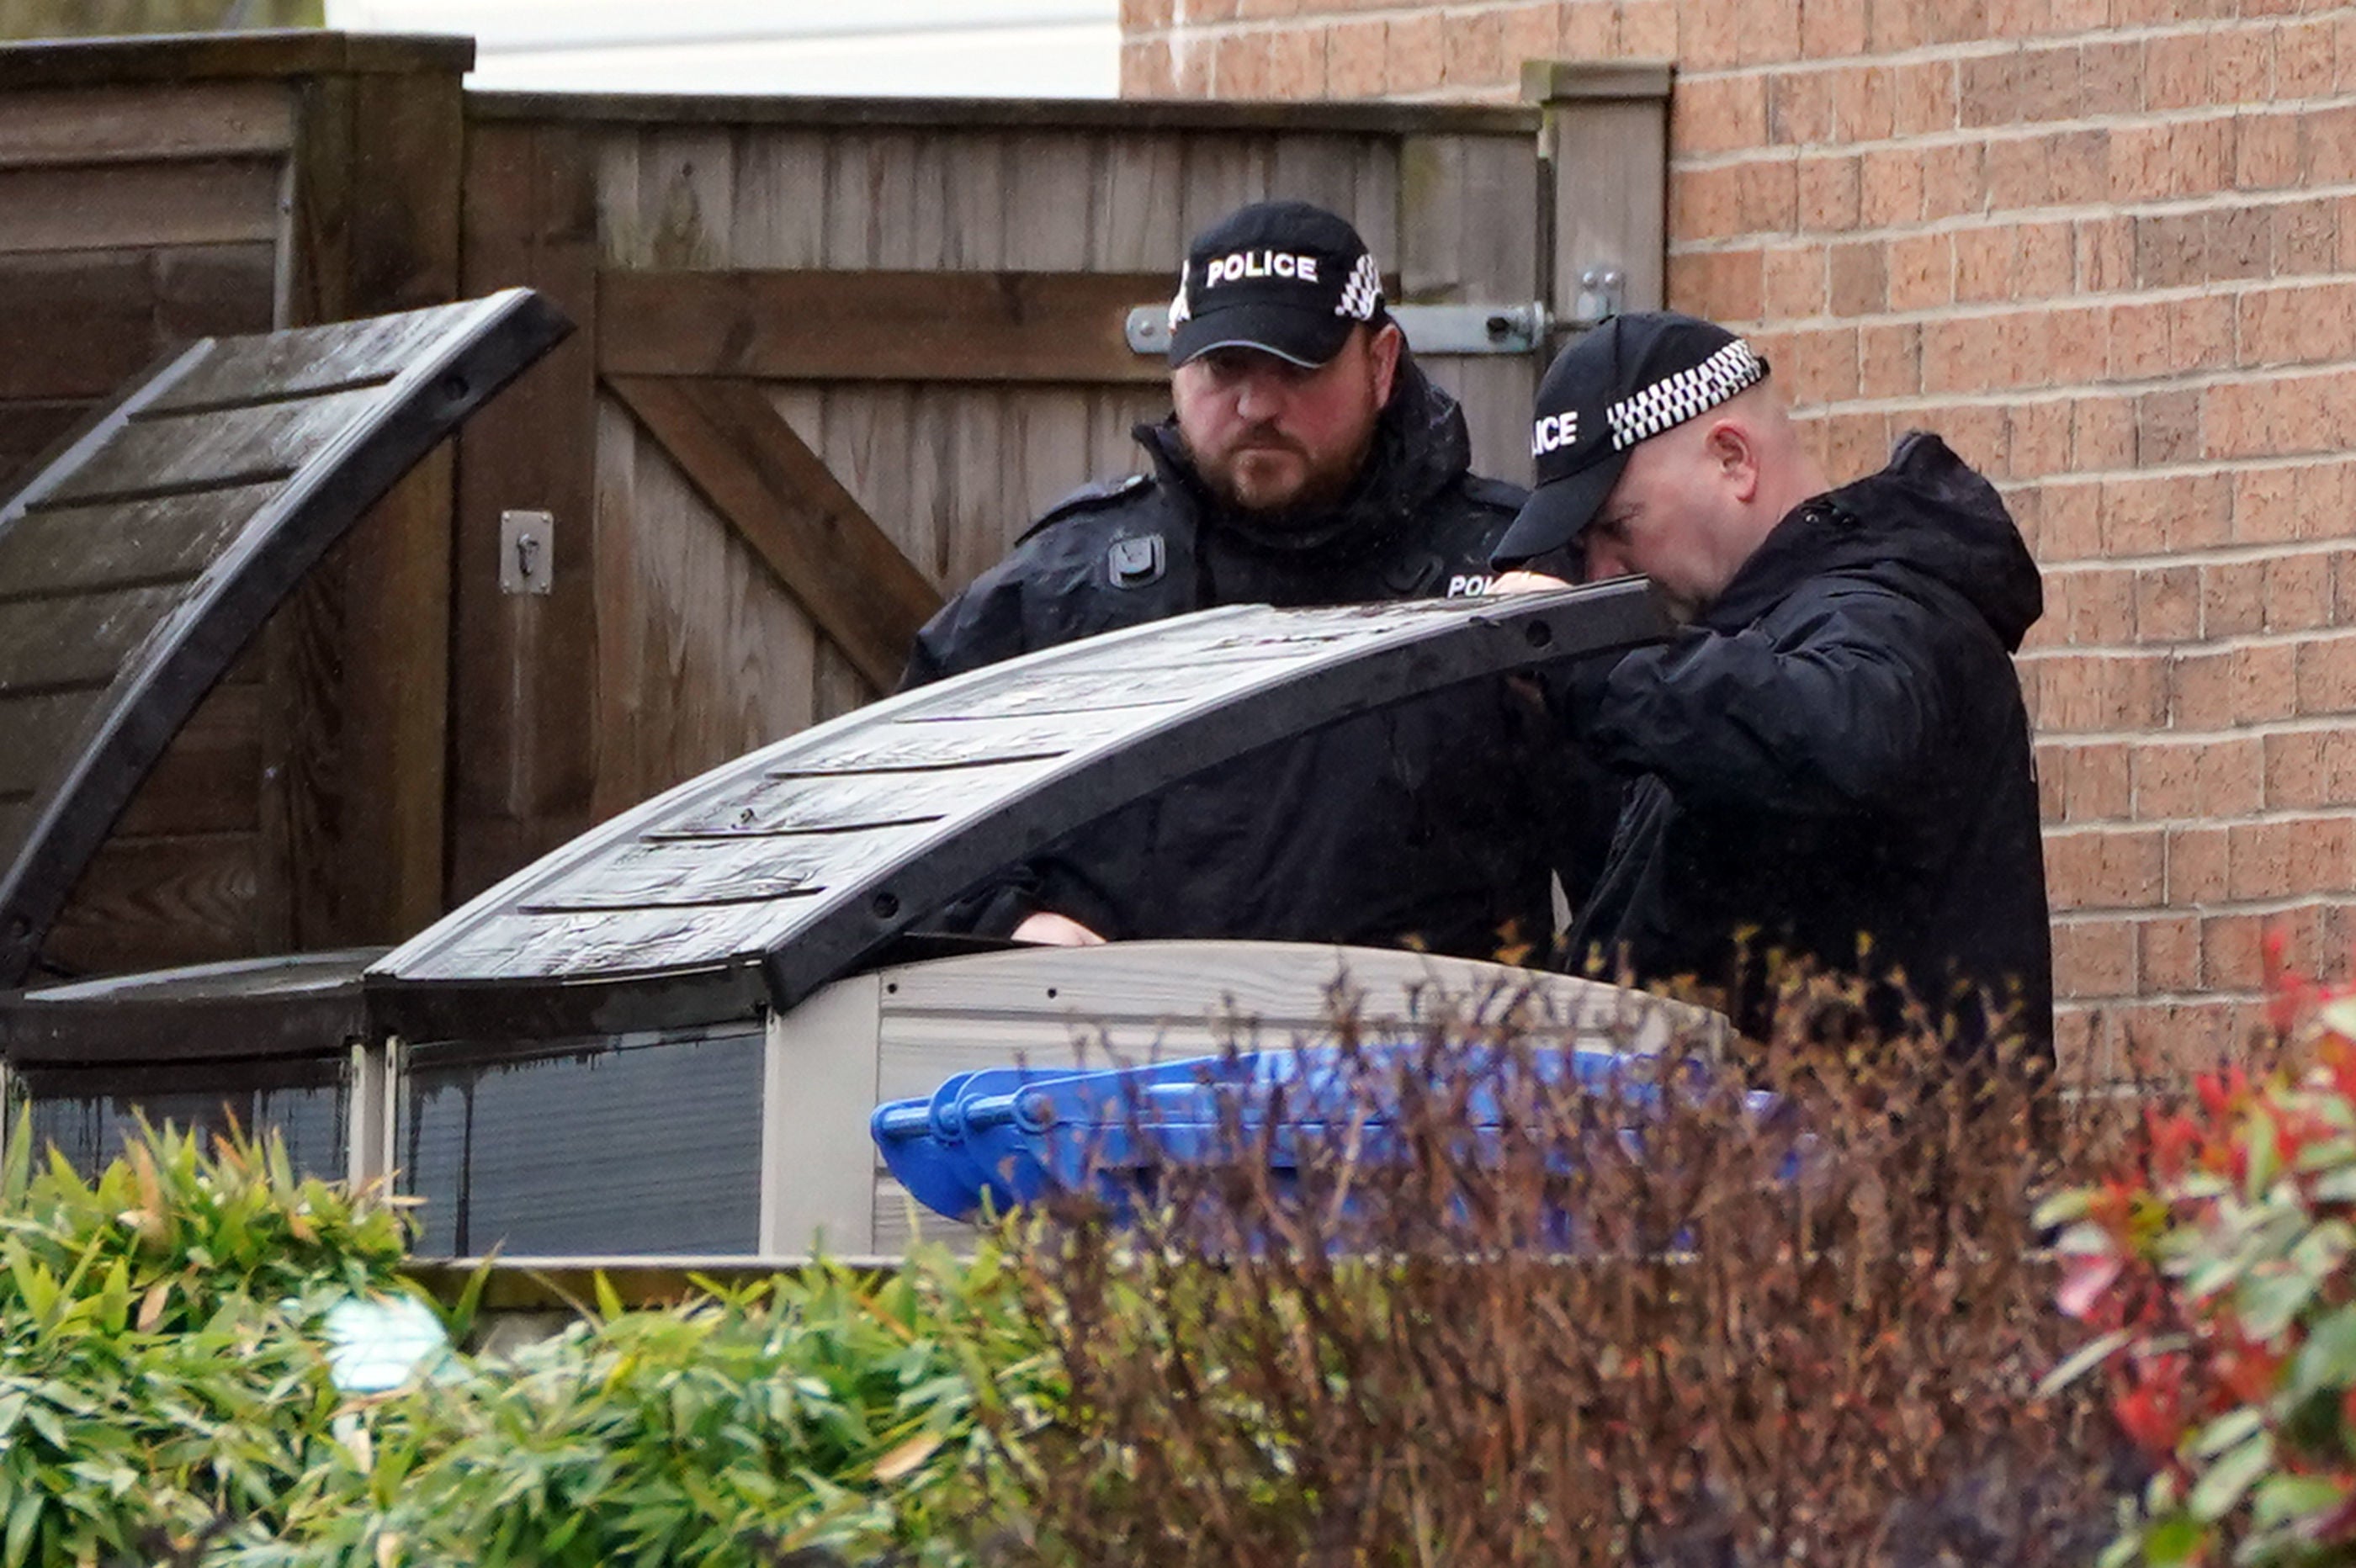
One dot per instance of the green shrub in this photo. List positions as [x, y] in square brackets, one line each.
[165, 1393]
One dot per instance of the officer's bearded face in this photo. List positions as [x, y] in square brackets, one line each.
[1278, 440]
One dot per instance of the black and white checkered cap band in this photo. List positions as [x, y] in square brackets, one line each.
[1673, 400]
[1363, 293]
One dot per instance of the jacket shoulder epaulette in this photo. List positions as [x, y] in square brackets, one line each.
[1090, 497]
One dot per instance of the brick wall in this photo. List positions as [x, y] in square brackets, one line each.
[2108, 248]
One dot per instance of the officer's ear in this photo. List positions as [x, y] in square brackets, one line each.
[1732, 450]
[1385, 349]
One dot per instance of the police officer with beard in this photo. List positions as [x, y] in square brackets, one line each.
[1308, 461]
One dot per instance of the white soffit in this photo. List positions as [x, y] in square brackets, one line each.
[1044, 49]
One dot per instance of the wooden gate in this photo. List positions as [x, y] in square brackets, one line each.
[838, 354]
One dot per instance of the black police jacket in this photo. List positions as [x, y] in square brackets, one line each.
[1421, 824]
[1835, 761]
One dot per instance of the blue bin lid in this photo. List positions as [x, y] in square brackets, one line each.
[1006, 1137]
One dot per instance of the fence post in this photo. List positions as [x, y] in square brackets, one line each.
[1606, 139]
[374, 224]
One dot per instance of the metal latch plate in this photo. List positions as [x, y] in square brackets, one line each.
[527, 552]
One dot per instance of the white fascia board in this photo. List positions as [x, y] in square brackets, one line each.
[1026, 62]
[553, 25]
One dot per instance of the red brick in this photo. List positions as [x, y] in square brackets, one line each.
[1832, 28]
[1474, 54]
[2304, 60]
[2048, 84]
[1240, 66]
[2330, 144]
[2307, 769]
[1650, 29]
[2110, 78]
[1535, 33]
[2097, 784]
[2094, 958]
[1921, 272]
[2078, 167]
[1889, 362]
[2168, 953]
[1734, 198]
[2176, 71]
[1988, 88]
[2037, 439]
[2070, 520]
[2167, 781]
[2302, 324]
[2282, 859]
[1796, 284]
[2042, 265]
[2224, 689]
[1861, 278]
[1296, 64]
[1856, 444]
[1963, 353]
[1147, 69]
[1719, 115]
[2163, 514]
[2298, 592]
[2343, 585]
[2266, 150]
[2232, 958]
[2095, 607]
[2324, 496]
[2241, 65]
[2104, 253]
[2101, 432]
[1723, 285]
[2122, 868]
[1355, 59]
[2327, 675]
[1769, 31]
[2100, 693]
[2306, 237]
[2168, 605]
[1415, 53]
[1890, 188]
[1799, 108]
[2198, 863]
[2241, 242]
[2232, 598]
[2231, 776]
[2173, 1040]
[1924, 98]
[1828, 192]
[1984, 263]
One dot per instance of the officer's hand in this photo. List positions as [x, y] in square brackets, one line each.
[1052, 930]
[1524, 582]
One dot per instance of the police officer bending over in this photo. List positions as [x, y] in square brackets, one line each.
[1833, 760]
[1309, 462]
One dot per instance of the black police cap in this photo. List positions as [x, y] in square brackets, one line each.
[1283, 277]
[1625, 381]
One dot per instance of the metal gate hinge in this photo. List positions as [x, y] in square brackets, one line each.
[1431, 329]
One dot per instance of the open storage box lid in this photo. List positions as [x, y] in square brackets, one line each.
[151, 546]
